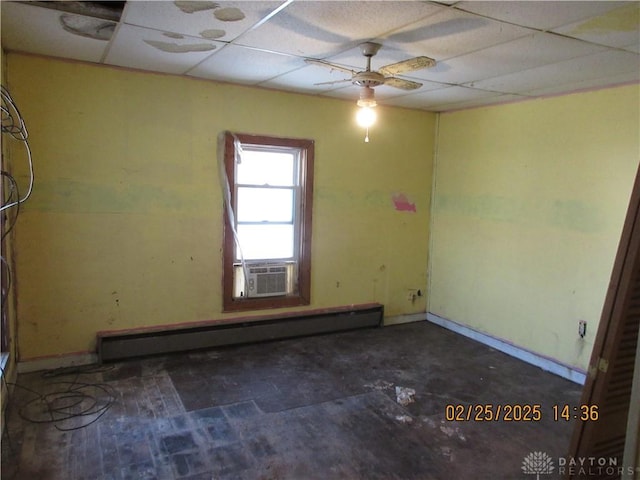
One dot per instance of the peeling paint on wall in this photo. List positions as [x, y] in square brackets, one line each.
[402, 203]
[95, 28]
[176, 48]
[195, 6]
[230, 14]
[212, 33]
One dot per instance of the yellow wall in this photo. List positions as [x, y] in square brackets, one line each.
[528, 210]
[124, 230]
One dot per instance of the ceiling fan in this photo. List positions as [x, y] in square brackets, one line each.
[368, 79]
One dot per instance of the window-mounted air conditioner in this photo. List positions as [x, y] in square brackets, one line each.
[267, 280]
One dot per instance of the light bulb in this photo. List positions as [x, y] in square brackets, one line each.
[366, 117]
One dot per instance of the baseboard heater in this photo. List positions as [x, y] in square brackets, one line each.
[119, 345]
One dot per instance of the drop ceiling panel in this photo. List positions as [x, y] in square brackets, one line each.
[478, 102]
[39, 30]
[520, 54]
[450, 33]
[616, 28]
[221, 21]
[319, 29]
[543, 15]
[147, 49]
[595, 69]
[587, 84]
[434, 98]
[304, 79]
[245, 66]
[633, 48]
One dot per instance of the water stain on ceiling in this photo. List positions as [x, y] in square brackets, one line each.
[227, 14]
[95, 20]
[212, 33]
[173, 35]
[95, 28]
[195, 6]
[230, 14]
[177, 48]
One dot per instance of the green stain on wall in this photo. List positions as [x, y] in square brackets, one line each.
[573, 215]
[576, 215]
[74, 196]
[490, 207]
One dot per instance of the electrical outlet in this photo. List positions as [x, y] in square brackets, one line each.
[582, 328]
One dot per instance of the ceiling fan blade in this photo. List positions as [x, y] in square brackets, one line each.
[408, 65]
[401, 83]
[335, 81]
[332, 66]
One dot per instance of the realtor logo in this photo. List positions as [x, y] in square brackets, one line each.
[537, 463]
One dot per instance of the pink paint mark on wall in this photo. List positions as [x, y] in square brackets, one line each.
[402, 203]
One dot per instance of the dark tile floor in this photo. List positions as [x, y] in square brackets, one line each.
[323, 407]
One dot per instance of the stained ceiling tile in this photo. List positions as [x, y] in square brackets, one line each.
[147, 49]
[40, 30]
[319, 29]
[615, 28]
[211, 20]
[543, 15]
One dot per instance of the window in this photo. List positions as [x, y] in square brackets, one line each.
[267, 229]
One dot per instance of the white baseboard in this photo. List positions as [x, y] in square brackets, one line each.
[59, 361]
[398, 319]
[570, 373]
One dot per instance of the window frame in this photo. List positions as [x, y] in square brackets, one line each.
[302, 294]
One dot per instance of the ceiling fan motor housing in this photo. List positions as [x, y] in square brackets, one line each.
[368, 79]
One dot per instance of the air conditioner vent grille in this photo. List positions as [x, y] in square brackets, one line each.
[269, 280]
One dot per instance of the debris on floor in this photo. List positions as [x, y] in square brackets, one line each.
[447, 452]
[450, 431]
[379, 385]
[404, 418]
[404, 395]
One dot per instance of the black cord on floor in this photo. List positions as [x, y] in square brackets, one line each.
[68, 401]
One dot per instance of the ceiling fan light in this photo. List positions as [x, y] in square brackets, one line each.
[367, 97]
[367, 103]
[366, 117]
